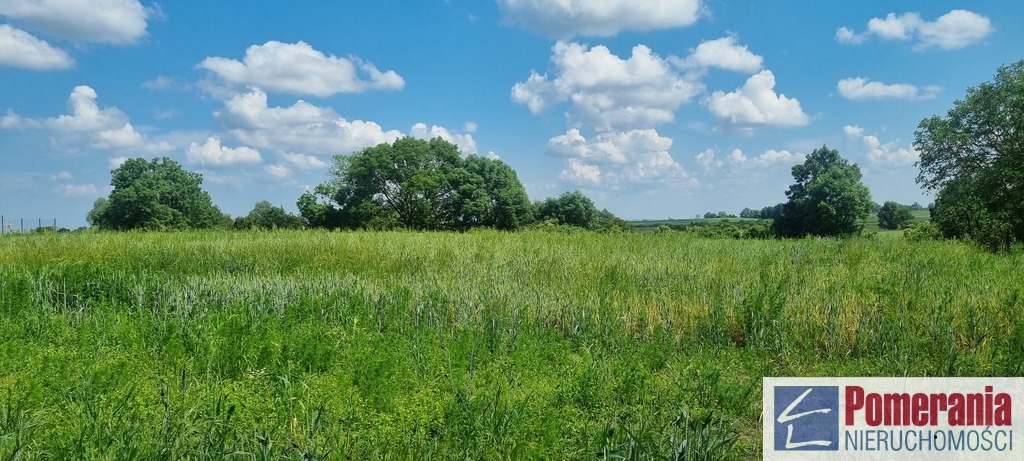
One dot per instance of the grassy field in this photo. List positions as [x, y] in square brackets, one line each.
[485, 345]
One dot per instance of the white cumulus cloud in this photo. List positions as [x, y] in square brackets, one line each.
[314, 130]
[889, 154]
[579, 172]
[77, 190]
[21, 49]
[847, 35]
[564, 18]
[757, 104]
[298, 68]
[465, 141]
[538, 93]
[118, 138]
[279, 171]
[302, 127]
[88, 124]
[953, 30]
[95, 21]
[723, 53]
[606, 91]
[738, 163]
[85, 113]
[862, 88]
[114, 162]
[766, 159]
[212, 153]
[250, 111]
[611, 159]
[304, 162]
[61, 176]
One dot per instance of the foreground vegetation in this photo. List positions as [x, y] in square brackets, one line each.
[484, 345]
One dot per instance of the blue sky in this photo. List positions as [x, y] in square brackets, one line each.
[654, 108]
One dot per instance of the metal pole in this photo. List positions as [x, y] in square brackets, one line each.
[1, 224]
[22, 225]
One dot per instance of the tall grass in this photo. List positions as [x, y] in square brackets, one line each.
[486, 345]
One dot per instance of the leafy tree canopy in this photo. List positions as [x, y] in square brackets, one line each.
[417, 184]
[974, 159]
[828, 198]
[749, 213]
[264, 215]
[156, 195]
[570, 208]
[892, 215]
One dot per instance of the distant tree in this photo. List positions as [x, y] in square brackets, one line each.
[772, 212]
[748, 213]
[606, 221]
[974, 159]
[710, 215]
[318, 209]
[264, 215]
[94, 216]
[570, 208]
[156, 195]
[761, 229]
[892, 216]
[417, 184]
[828, 198]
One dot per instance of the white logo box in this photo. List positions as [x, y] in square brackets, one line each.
[931, 419]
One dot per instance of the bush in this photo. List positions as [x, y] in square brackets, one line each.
[922, 231]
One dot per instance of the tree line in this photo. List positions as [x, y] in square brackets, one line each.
[429, 185]
[409, 184]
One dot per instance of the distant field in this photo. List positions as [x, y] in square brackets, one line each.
[645, 224]
[485, 345]
[870, 224]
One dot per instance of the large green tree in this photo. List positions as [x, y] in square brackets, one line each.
[973, 158]
[571, 208]
[828, 198]
[499, 198]
[156, 194]
[417, 184]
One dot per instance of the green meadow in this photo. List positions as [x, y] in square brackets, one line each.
[481, 345]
